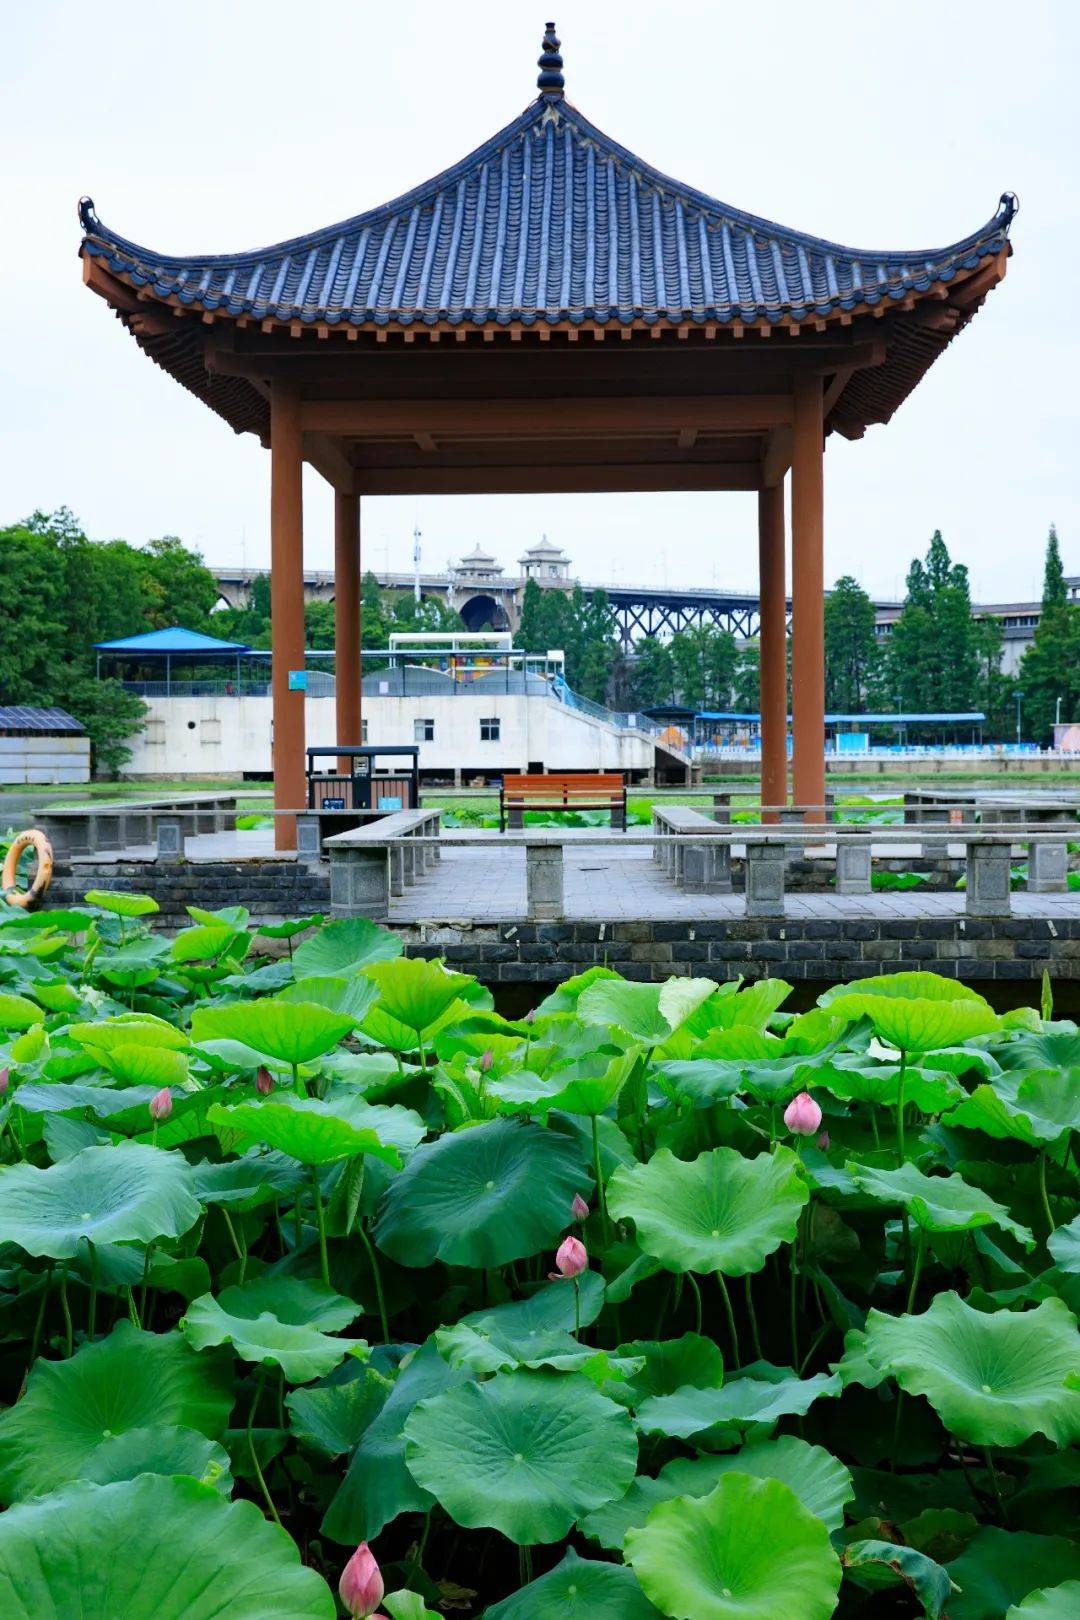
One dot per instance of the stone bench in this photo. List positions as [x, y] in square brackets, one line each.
[703, 868]
[370, 864]
[107, 826]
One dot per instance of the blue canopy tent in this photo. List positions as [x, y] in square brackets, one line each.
[171, 646]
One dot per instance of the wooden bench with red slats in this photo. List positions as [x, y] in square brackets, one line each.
[562, 791]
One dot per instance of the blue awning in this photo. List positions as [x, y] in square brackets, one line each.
[174, 642]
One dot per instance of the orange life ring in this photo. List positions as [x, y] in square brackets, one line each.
[14, 896]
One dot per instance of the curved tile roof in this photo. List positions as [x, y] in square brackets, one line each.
[552, 222]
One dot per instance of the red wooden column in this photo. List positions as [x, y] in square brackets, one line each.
[808, 596]
[772, 645]
[347, 619]
[286, 607]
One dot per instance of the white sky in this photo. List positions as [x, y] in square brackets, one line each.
[222, 129]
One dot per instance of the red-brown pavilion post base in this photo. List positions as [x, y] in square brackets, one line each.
[347, 620]
[286, 606]
[808, 597]
[772, 646]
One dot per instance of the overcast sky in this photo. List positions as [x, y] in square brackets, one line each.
[222, 129]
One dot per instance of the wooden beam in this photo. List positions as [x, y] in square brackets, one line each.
[286, 610]
[567, 480]
[329, 459]
[461, 417]
[777, 458]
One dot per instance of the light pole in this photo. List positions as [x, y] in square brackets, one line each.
[1057, 711]
[1019, 700]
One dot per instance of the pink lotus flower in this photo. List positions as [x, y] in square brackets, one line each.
[486, 1060]
[5, 1080]
[161, 1104]
[823, 1142]
[361, 1585]
[571, 1259]
[579, 1209]
[802, 1116]
[264, 1082]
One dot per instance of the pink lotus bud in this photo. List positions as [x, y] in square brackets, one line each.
[802, 1116]
[5, 1080]
[361, 1585]
[579, 1209]
[161, 1104]
[530, 1016]
[823, 1141]
[486, 1060]
[264, 1082]
[571, 1259]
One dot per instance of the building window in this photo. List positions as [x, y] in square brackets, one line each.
[489, 729]
[363, 732]
[423, 731]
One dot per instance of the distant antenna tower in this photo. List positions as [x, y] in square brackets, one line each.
[416, 563]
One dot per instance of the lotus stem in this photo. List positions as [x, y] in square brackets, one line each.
[794, 1311]
[901, 1084]
[601, 1195]
[377, 1275]
[692, 1280]
[1043, 1194]
[737, 1361]
[577, 1309]
[145, 1282]
[269, 1500]
[239, 1249]
[920, 1251]
[69, 1333]
[996, 1483]
[752, 1313]
[320, 1221]
[91, 1316]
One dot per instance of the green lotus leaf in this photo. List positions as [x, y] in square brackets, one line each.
[747, 1406]
[124, 1194]
[200, 1558]
[127, 1030]
[1064, 1246]
[249, 1181]
[1000, 1568]
[751, 1007]
[319, 1132]
[350, 997]
[130, 1380]
[407, 1606]
[517, 1329]
[330, 1417]
[564, 999]
[159, 1449]
[578, 1589]
[19, 1012]
[294, 1032]
[482, 1197]
[1032, 1106]
[132, 965]
[647, 1012]
[377, 1485]
[879, 1084]
[672, 1363]
[748, 1551]
[57, 997]
[523, 1453]
[224, 916]
[208, 941]
[122, 904]
[342, 948]
[994, 1378]
[155, 1066]
[822, 1484]
[719, 1212]
[415, 992]
[879, 1565]
[918, 986]
[919, 1026]
[937, 1203]
[1051, 1603]
[700, 1079]
[1048, 1049]
[300, 1301]
[290, 1340]
[126, 1107]
[588, 1086]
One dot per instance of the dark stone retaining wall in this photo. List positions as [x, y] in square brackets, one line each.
[1006, 948]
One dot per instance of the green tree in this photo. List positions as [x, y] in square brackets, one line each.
[653, 674]
[746, 685]
[933, 661]
[1049, 674]
[180, 588]
[851, 653]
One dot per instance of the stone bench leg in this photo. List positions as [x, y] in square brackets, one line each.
[515, 817]
[764, 880]
[170, 839]
[544, 880]
[137, 827]
[853, 866]
[397, 867]
[707, 868]
[105, 833]
[988, 880]
[1048, 868]
[58, 832]
[308, 839]
[360, 883]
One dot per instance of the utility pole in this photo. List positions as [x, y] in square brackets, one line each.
[416, 564]
[1019, 701]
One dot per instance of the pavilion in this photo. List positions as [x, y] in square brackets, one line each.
[551, 314]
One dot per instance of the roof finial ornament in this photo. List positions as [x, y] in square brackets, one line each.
[550, 82]
[87, 217]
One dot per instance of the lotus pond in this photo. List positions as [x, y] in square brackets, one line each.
[327, 1290]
